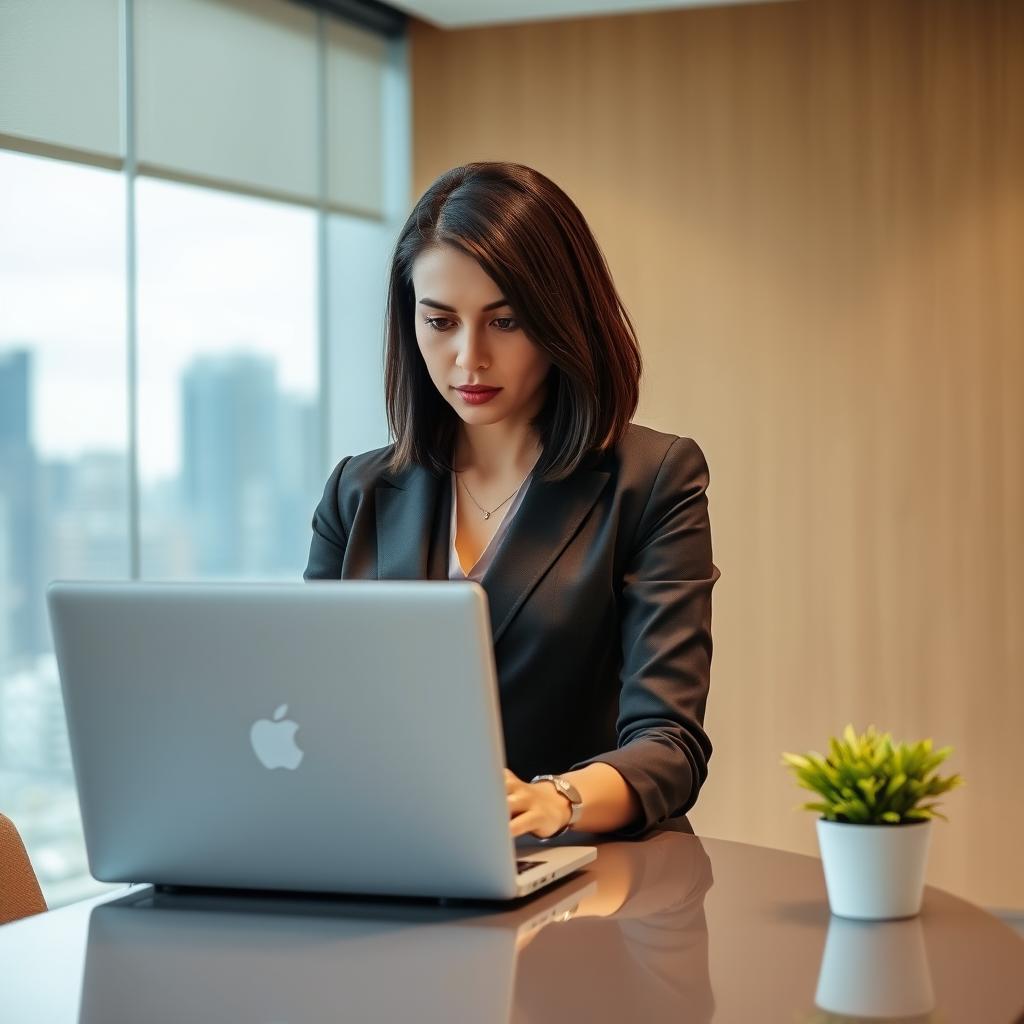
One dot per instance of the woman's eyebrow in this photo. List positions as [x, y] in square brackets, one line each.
[451, 309]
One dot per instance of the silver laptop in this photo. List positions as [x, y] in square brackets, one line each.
[324, 737]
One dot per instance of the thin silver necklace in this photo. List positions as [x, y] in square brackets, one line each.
[487, 515]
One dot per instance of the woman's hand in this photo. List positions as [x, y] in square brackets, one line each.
[535, 807]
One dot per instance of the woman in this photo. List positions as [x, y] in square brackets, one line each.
[511, 374]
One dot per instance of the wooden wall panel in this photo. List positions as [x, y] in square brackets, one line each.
[815, 212]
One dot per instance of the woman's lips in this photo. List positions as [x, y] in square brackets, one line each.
[477, 396]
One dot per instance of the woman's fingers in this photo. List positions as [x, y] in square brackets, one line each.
[518, 805]
[525, 822]
[528, 811]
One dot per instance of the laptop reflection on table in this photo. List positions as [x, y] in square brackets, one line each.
[177, 957]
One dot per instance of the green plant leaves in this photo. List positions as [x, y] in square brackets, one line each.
[867, 779]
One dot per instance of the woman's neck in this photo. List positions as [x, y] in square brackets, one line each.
[496, 451]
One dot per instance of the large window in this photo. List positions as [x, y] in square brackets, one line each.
[63, 468]
[197, 204]
[229, 428]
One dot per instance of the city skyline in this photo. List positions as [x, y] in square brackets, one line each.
[216, 273]
[240, 507]
[9, 348]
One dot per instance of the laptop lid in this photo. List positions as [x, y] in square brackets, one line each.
[330, 736]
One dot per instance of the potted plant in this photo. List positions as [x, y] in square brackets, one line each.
[875, 822]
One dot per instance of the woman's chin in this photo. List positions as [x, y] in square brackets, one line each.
[479, 414]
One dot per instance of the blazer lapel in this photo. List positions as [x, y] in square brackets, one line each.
[413, 520]
[410, 509]
[547, 520]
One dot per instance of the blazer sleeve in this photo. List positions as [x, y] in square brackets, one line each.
[665, 613]
[327, 548]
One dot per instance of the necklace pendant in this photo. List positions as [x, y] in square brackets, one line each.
[487, 515]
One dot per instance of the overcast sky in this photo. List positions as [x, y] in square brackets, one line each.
[217, 272]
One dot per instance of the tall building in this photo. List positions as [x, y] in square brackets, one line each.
[33, 731]
[15, 369]
[300, 478]
[251, 467]
[6, 588]
[229, 424]
[17, 488]
[85, 505]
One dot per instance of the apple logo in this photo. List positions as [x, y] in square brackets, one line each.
[274, 741]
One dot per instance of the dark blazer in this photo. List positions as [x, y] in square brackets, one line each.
[599, 598]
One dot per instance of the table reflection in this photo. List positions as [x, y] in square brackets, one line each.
[636, 949]
[624, 937]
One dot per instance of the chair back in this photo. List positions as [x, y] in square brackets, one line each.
[20, 895]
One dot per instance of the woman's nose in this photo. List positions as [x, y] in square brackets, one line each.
[470, 353]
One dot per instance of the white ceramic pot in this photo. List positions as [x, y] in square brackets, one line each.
[874, 872]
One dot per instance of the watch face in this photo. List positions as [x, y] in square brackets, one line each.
[569, 790]
[564, 786]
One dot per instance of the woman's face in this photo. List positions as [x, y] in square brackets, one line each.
[468, 335]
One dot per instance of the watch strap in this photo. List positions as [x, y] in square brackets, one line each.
[571, 793]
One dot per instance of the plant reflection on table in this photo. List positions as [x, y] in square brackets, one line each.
[874, 971]
[636, 948]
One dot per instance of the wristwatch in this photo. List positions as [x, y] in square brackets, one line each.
[571, 793]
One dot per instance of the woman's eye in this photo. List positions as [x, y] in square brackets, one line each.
[433, 321]
[441, 323]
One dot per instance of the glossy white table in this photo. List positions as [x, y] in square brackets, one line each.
[669, 928]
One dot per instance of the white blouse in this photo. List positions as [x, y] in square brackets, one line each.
[476, 572]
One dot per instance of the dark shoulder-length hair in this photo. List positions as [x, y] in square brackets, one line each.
[530, 238]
